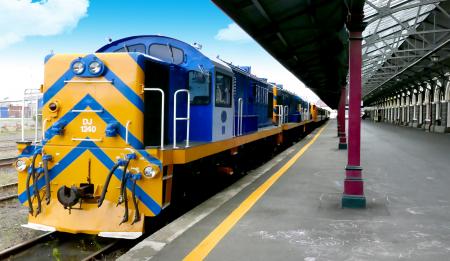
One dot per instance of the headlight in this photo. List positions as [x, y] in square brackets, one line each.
[78, 67]
[53, 106]
[95, 67]
[21, 165]
[150, 172]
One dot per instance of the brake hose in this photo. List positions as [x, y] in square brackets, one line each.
[123, 181]
[45, 160]
[30, 174]
[137, 216]
[105, 186]
[125, 199]
[36, 190]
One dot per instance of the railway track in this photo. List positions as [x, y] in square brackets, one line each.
[7, 162]
[9, 252]
[100, 254]
[8, 148]
[45, 245]
[6, 187]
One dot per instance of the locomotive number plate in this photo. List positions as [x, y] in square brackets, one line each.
[88, 126]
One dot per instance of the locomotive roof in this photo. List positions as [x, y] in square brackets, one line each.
[192, 56]
[193, 60]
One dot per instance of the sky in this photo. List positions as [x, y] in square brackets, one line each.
[31, 29]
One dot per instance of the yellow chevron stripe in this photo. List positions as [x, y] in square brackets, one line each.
[56, 67]
[124, 66]
[105, 94]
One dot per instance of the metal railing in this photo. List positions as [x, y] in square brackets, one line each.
[162, 111]
[280, 114]
[33, 94]
[88, 81]
[175, 118]
[286, 114]
[44, 122]
[240, 114]
[127, 130]
[87, 139]
[92, 111]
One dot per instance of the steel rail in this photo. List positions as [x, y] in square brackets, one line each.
[7, 253]
[8, 197]
[7, 162]
[98, 255]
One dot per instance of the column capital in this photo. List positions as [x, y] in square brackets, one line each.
[355, 15]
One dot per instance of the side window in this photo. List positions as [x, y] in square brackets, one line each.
[223, 90]
[166, 53]
[199, 88]
[138, 48]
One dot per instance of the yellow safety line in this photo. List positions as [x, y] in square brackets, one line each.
[203, 249]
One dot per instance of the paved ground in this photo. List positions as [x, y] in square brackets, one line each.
[407, 175]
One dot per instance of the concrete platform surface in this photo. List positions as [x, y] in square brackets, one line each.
[407, 180]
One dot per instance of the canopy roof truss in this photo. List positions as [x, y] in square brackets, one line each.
[403, 40]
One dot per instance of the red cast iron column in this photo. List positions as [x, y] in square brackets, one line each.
[341, 120]
[353, 196]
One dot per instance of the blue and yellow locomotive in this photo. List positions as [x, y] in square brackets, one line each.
[117, 121]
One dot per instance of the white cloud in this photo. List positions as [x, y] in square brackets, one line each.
[22, 18]
[232, 33]
[19, 75]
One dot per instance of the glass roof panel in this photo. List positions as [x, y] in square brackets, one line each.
[390, 23]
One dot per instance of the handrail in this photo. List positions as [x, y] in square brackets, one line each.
[36, 120]
[280, 114]
[175, 118]
[286, 113]
[23, 119]
[31, 92]
[240, 114]
[126, 131]
[94, 111]
[88, 81]
[162, 111]
[44, 122]
[85, 139]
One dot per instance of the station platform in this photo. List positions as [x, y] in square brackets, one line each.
[289, 209]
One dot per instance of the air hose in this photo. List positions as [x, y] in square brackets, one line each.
[137, 216]
[123, 186]
[45, 160]
[36, 175]
[31, 173]
[125, 199]
[105, 186]
[123, 181]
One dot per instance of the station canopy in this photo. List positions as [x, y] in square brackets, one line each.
[404, 42]
[309, 38]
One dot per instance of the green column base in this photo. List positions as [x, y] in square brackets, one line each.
[342, 146]
[353, 201]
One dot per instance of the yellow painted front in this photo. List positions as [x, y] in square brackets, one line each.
[90, 218]
[109, 97]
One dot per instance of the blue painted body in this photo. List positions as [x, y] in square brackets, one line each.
[201, 115]
[255, 113]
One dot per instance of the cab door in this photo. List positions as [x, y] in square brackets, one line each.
[223, 115]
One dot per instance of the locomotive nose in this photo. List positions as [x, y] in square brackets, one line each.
[68, 197]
